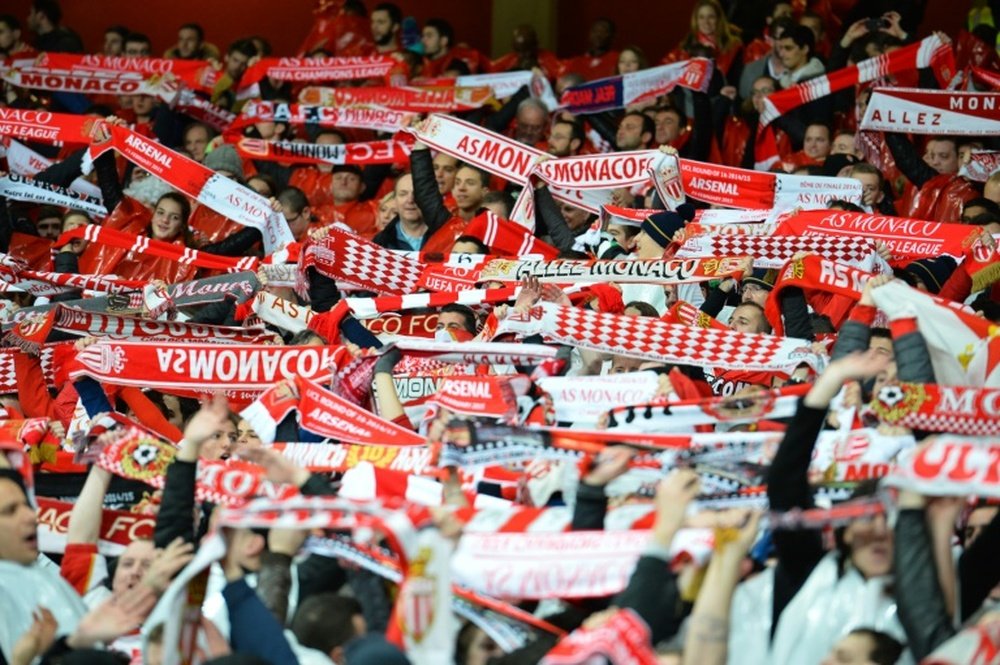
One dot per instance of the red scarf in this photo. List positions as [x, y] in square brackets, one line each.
[930, 52]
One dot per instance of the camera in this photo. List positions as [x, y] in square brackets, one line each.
[876, 24]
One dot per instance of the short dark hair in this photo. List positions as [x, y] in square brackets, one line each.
[782, 25]
[990, 205]
[294, 198]
[9, 21]
[47, 212]
[647, 123]
[645, 309]
[138, 37]
[841, 204]
[576, 128]
[197, 29]
[443, 28]
[886, 650]
[501, 197]
[802, 36]
[471, 322]
[394, 12]
[50, 8]
[480, 245]
[324, 621]
[119, 30]
[866, 167]
[244, 46]
[484, 176]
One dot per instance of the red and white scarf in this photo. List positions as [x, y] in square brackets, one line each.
[950, 466]
[45, 126]
[362, 117]
[921, 111]
[224, 196]
[964, 348]
[930, 52]
[43, 283]
[326, 414]
[93, 83]
[136, 329]
[624, 639]
[740, 188]
[983, 164]
[148, 246]
[195, 74]
[118, 528]
[607, 171]
[663, 416]
[287, 152]
[938, 408]
[401, 98]
[640, 271]
[301, 70]
[201, 109]
[139, 456]
[480, 147]
[348, 258]
[650, 339]
[200, 368]
[773, 251]
[635, 87]
[906, 238]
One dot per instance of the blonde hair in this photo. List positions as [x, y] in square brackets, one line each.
[725, 34]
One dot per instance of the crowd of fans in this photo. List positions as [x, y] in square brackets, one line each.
[776, 501]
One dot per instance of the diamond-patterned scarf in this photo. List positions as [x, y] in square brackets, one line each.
[936, 408]
[658, 341]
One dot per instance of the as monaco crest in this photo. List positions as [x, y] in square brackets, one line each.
[416, 598]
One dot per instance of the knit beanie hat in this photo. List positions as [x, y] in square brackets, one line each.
[224, 158]
[662, 226]
[932, 272]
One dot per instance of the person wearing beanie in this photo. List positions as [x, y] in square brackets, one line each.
[758, 285]
[225, 161]
[929, 274]
[657, 231]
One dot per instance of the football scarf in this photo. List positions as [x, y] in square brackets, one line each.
[921, 111]
[203, 110]
[148, 246]
[930, 52]
[288, 152]
[361, 117]
[906, 238]
[326, 414]
[347, 258]
[984, 163]
[831, 288]
[479, 147]
[650, 339]
[446, 99]
[302, 70]
[950, 466]
[773, 251]
[194, 74]
[620, 91]
[224, 196]
[93, 83]
[140, 456]
[46, 127]
[624, 639]
[740, 188]
[20, 188]
[640, 271]
[239, 286]
[938, 408]
[184, 368]
[964, 348]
